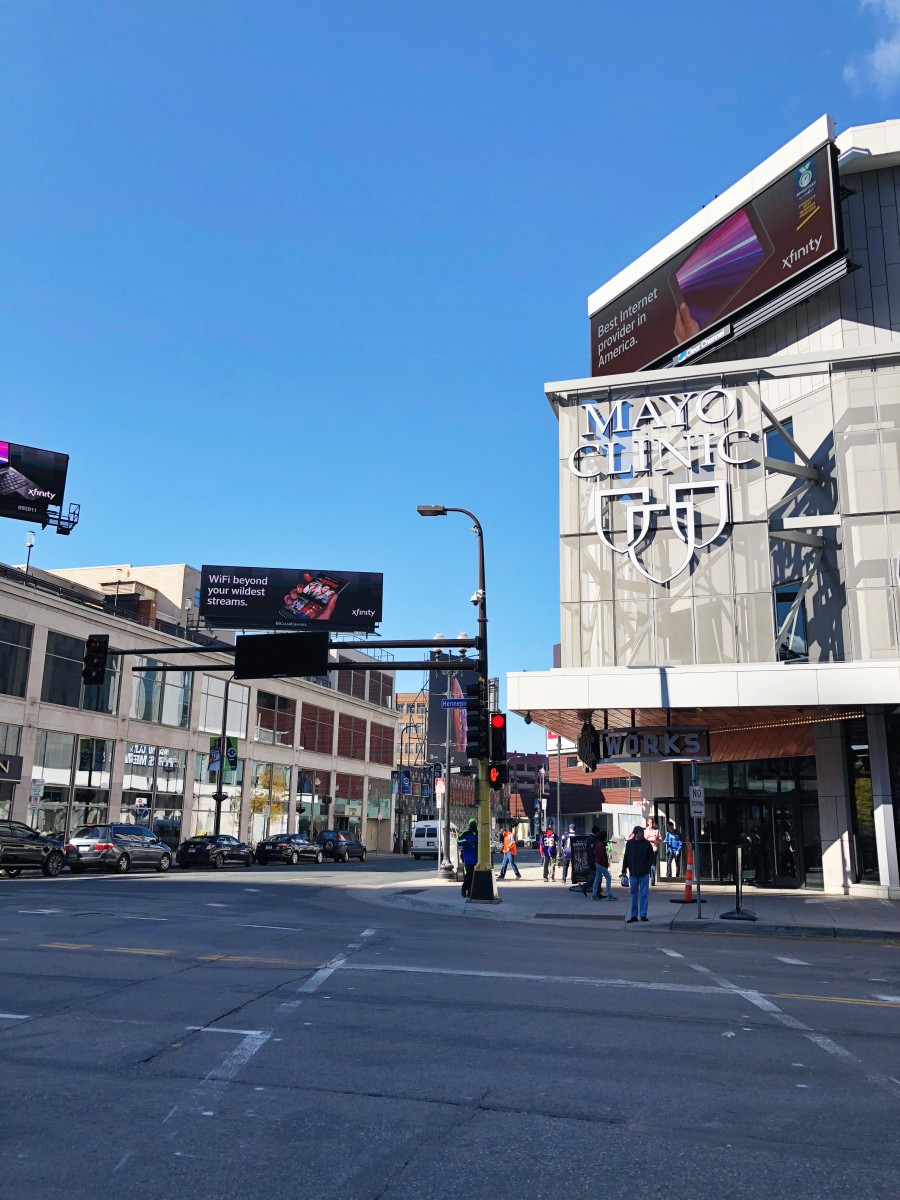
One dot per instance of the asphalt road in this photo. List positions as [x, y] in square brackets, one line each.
[266, 1033]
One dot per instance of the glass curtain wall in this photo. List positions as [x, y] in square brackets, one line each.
[75, 778]
[153, 789]
[270, 792]
[10, 738]
[204, 816]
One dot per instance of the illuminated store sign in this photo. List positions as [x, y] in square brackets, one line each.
[633, 447]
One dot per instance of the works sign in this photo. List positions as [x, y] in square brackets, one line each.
[663, 462]
[653, 745]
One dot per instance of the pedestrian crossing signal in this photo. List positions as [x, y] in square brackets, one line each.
[498, 770]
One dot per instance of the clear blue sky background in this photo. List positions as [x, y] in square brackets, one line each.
[274, 272]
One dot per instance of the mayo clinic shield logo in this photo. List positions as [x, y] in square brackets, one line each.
[696, 513]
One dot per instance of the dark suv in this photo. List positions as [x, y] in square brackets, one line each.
[116, 848]
[341, 845]
[22, 847]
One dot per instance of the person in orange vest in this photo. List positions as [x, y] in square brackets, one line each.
[509, 855]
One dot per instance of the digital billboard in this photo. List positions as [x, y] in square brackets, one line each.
[290, 598]
[448, 685]
[31, 480]
[786, 229]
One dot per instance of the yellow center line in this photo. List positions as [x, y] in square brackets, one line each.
[222, 958]
[833, 999]
[133, 950]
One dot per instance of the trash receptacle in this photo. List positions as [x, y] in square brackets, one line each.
[405, 846]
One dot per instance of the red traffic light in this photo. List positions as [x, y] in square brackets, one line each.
[498, 720]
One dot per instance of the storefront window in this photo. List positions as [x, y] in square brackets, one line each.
[862, 808]
[15, 655]
[10, 737]
[205, 782]
[270, 792]
[153, 789]
[74, 776]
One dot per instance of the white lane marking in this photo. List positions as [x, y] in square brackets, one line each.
[239, 1057]
[171, 1114]
[792, 962]
[638, 985]
[327, 969]
[13, 1016]
[671, 953]
[818, 1039]
[40, 910]
[219, 1029]
[286, 928]
[122, 1161]
[129, 917]
[890, 999]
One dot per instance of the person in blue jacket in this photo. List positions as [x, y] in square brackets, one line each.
[468, 852]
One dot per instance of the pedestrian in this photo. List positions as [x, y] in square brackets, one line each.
[548, 852]
[653, 836]
[567, 852]
[673, 845]
[601, 865]
[509, 855]
[396, 842]
[636, 865]
[468, 852]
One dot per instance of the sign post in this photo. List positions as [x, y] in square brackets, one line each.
[698, 802]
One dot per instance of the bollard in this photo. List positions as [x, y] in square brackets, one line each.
[738, 913]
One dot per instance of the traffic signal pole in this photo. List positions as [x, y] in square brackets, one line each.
[484, 889]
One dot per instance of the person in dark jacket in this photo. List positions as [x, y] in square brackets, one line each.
[468, 852]
[601, 865]
[637, 865]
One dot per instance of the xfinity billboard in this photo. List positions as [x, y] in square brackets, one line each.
[290, 598]
[781, 234]
[31, 480]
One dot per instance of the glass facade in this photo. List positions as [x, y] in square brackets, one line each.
[204, 817]
[15, 656]
[161, 697]
[153, 789]
[76, 776]
[270, 794]
[10, 739]
[62, 683]
[275, 719]
[212, 700]
[768, 807]
[862, 808]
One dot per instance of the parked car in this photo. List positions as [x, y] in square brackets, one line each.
[23, 848]
[340, 845]
[115, 848]
[214, 850]
[289, 848]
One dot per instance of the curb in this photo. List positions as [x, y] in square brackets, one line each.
[710, 926]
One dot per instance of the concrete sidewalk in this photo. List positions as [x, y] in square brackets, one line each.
[779, 913]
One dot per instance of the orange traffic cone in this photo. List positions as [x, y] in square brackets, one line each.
[689, 876]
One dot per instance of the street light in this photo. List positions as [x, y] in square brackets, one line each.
[29, 542]
[483, 887]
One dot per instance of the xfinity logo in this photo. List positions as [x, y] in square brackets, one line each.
[41, 494]
[801, 252]
[364, 612]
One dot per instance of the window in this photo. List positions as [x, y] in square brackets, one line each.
[572, 762]
[351, 683]
[15, 655]
[381, 744]
[212, 699]
[793, 642]
[163, 698]
[777, 445]
[317, 729]
[351, 737]
[275, 718]
[348, 787]
[62, 683]
[380, 689]
[9, 738]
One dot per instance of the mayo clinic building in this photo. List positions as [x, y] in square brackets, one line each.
[730, 523]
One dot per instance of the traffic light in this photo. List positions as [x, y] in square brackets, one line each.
[476, 721]
[498, 772]
[96, 649]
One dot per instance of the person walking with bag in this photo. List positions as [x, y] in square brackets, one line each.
[637, 864]
[509, 855]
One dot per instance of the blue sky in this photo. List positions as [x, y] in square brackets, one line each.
[275, 273]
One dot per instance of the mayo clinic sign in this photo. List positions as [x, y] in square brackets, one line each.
[665, 459]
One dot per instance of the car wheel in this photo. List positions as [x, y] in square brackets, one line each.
[320, 857]
[345, 857]
[121, 865]
[261, 859]
[218, 861]
[295, 858]
[53, 864]
[329, 845]
[248, 861]
[164, 863]
[362, 857]
[417, 857]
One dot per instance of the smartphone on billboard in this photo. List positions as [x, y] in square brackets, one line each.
[312, 595]
[720, 265]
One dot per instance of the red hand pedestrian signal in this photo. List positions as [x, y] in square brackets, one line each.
[498, 771]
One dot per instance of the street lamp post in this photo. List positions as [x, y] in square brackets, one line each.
[29, 543]
[484, 890]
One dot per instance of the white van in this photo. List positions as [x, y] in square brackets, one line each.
[427, 837]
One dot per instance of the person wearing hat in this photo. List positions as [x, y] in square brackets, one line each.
[468, 852]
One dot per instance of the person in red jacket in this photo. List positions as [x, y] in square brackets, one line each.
[509, 855]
